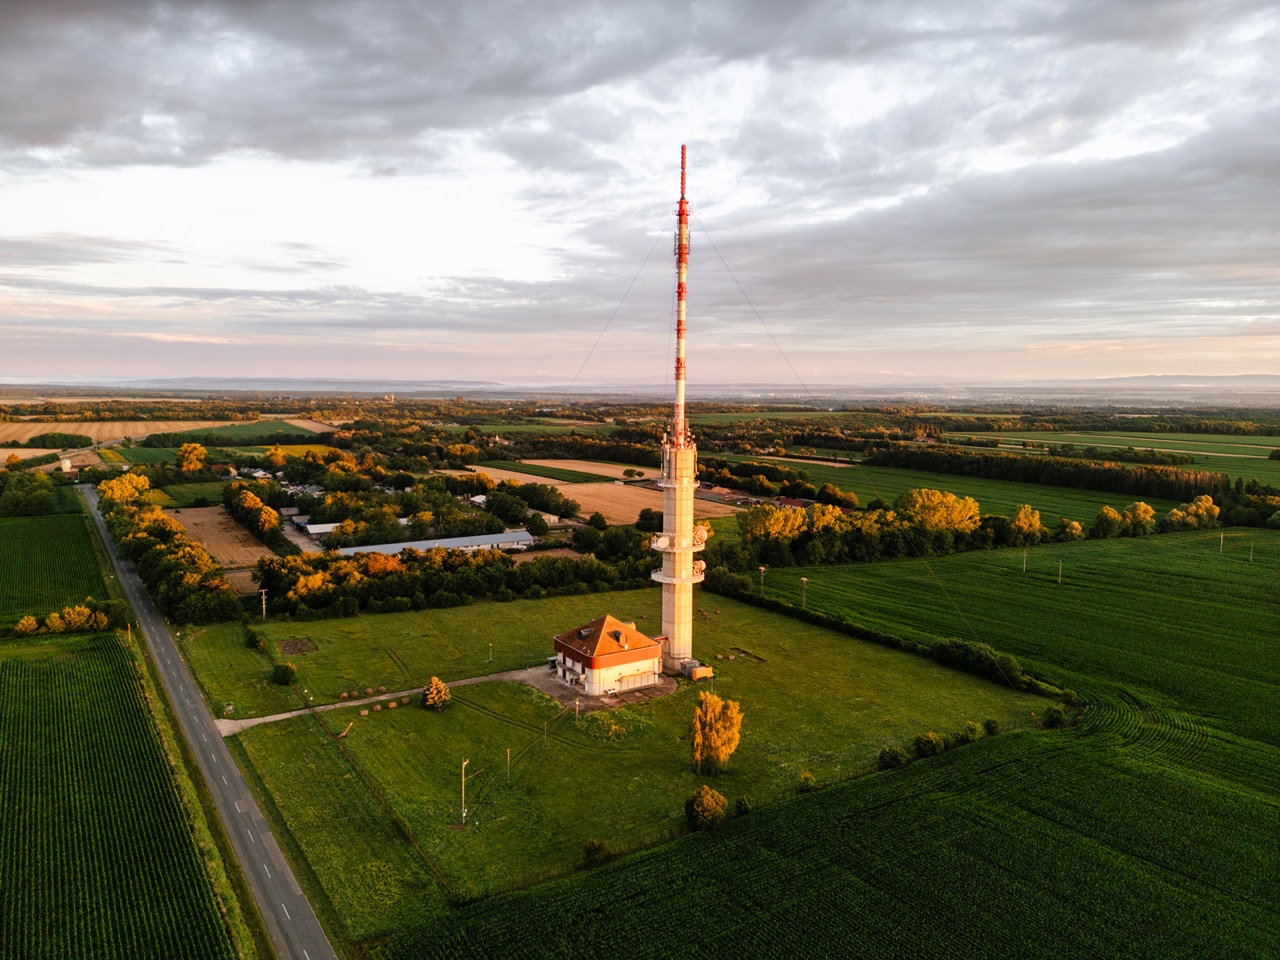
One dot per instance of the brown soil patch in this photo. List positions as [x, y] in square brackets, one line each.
[241, 581]
[315, 426]
[231, 544]
[293, 645]
[620, 503]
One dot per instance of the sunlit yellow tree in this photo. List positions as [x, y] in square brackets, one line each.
[191, 457]
[717, 725]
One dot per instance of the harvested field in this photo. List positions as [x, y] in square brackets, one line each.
[231, 544]
[315, 426]
[620, 503]
[102, 431]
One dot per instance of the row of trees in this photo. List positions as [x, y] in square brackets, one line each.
[91, 616]
[183, 579]
[924, 522]
[25, 493]
[319, 585]
[1170, 483]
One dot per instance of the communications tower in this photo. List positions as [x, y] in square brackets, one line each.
[680, 539]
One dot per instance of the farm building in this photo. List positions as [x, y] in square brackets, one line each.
[511, 540]
[608, 656]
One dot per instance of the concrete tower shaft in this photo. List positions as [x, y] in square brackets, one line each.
[680, 539]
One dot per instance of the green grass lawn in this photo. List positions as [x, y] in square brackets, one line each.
[814, 702]
[187, 494]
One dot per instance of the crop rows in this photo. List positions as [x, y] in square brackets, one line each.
[979, 853]
[45, 564]
[97, 858]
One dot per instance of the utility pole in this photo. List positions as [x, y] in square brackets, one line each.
[1059, 571]
[264, 603]
[1024, 561]
[464, 791]
[804, 588]
[762, 581]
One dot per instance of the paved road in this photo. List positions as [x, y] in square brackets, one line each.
[291, 923]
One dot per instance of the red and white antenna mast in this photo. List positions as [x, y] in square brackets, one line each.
[679, 426]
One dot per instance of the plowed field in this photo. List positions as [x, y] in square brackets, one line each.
[231, 544]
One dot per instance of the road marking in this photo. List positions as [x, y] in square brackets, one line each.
[305, 955]
[204, 738]
[286, 912]
[268, 869]
[224, 782]
[251, 840]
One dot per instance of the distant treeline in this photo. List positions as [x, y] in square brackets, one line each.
[216, 439]
[51, 441]
[1169, 483]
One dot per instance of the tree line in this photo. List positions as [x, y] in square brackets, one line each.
[1168, 483]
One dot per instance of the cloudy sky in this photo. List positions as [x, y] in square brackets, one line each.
[485, 189]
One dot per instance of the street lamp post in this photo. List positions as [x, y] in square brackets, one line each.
[804, 588]
[762, 581]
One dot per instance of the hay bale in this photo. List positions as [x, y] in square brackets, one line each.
[364, 713]
[382, 689]
[377, 708]
[392, 705]
[343, 696]
[368, 691]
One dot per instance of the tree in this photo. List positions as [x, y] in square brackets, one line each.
[716, 727]
[26, 626]
[1139, 519]
[1106, 524]
[939, 510]
[435, 695]
[191, 457]
[598, 521]
[1025, 528]
[12, 462]
[705, 809]
[276, 456]
[537, 525]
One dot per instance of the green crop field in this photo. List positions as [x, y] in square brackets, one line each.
[1231, 454]
[46, 563]
[999, 497]
[187, 494]
[145, 455]
[1168, 615]
[561, 474]
[97, 858]
[254, 431]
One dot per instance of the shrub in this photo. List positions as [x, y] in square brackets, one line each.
[974, 731]
[1054, 717]
[283, 674]
[930, 744]
[705, 810]
[26, 626]
[807, 783]
[892, 756]
[991, 725]
[595, 852]
[254, 640]
[741, 807]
